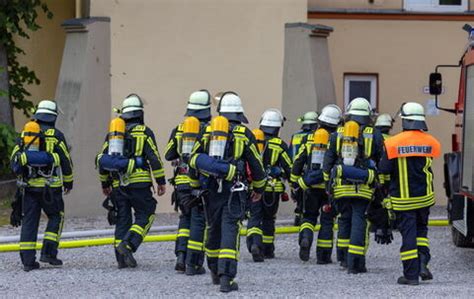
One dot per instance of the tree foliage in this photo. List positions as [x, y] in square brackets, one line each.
[17, 18]
[7, 143]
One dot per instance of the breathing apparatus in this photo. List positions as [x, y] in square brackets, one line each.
[260, 138]
[319, 147]
[350, 144]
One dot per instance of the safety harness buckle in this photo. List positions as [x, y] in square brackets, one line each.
[238, 187]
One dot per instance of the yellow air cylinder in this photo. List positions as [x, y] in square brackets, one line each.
[320, 144]
[30, 136]
[260, 137]
[350, 139]
[116, 136]
[219, 134]
[190, 133]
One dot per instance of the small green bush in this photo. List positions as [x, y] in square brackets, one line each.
[8, 138]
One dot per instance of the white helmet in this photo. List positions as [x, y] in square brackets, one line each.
[413, 116]
[412, 111]
[331, 115]
[384, 120]
[46, 111]
[272, 118]
[230, 103]
[132, 106]
[360, 107]
[310, 117]
[47, 107]
[199, 100]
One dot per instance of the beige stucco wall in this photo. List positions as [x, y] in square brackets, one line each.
[167, 49]
[403, 53]
[44, 51]
[358, 4]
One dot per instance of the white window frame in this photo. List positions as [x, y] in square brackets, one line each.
[362, 77]
[433, 6]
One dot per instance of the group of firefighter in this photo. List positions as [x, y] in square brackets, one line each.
[343, 169]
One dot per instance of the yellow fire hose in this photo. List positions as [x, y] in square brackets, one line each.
[166, 238]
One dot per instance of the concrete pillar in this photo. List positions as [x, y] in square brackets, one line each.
[83, 95]
[307, 76]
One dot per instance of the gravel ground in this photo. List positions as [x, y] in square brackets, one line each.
[91, 272]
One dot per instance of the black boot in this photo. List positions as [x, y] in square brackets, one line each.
[120, 261]
[215, 278]
[353, 265]
[342, 257]
[406, 281]
[360, 264]
[269, 251]
[34, 266]
[257, 255]
[180, 262]
[52, 260]
[425, 273]
[126, 252]
[323, 257]
[194, 270]
[297, 220]
[228, 284]
[304, 250]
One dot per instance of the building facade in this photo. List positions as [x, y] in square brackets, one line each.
[165, 49]
[385, 50]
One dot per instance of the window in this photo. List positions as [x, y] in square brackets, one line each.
[436, 5]
[363, 85]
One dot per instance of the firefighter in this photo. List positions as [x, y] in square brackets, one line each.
[309, 123]
[43, 164]
[128, 164]
[384, 124]
[221, 158]
[307, 167]
[189, 248]
[408, 158]
[277, 164]
[350, 170]
[382, 220]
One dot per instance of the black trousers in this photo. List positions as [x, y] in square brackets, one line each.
[413, 226]
[261, 224]
[353, 234]
[299, 202]
[52, 204]
[223, 233]
[190, 238]
[131, 229]
[314, 200]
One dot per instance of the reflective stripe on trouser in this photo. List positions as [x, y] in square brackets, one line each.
[261, 225]
[254, 225]
[359, 240]
[223, 239]
[413, 226]
[353, 231]
[315, 199]
[184, 224]
[195, 246]
[144, 205]
[270, 204]
[33, 202]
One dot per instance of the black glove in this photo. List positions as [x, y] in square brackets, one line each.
[17, 215]
[109, 205]
[187, 201]
[174, 200]
[383, 236]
